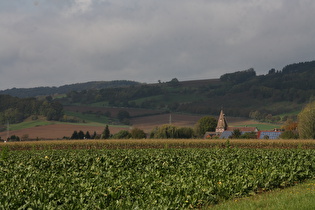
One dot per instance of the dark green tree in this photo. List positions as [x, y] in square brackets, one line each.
[137, 133]
[204, 125]
[87, 135]
[123, 134]
[94, 135]
[14, 138]
[74, 135]
[106, 133]
[80, 135]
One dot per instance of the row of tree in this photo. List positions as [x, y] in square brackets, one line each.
[166, 131]
[134, 133]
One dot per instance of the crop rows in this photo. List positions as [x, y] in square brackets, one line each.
[158, 144]
[145, 179]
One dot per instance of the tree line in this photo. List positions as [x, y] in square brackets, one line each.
[166, 131]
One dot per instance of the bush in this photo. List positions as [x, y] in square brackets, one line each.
[165, 132]
[289, 135]
[137, 133]
[123, 134]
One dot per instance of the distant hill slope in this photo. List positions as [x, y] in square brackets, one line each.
[240, 94]
[44, 91]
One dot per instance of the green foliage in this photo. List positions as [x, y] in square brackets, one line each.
[263, 97]
[205, 124]
[236, 134]
[14, 138]
[137, 133]
[123, 134]
[106, 133]
[249, 135]
[306, 122]
[4, 153]
[239, 76]
[123, 116]
[165, 132]
[80, 135]
[289, 134]
[15, 110]
[185, 133]
[145, 179]
[172, 132]
[87, 135]
[299, 196]
[87, 117]
[65, 89]
[74, 135]
[174, 82]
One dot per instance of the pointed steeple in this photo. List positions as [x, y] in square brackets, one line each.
[222, 124]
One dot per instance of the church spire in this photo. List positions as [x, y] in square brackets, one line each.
[222, 124]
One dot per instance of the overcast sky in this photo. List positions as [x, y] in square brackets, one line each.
[57, 42]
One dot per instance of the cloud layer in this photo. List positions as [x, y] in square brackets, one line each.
[51, 43]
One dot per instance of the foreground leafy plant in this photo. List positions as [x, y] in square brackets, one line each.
[145, 179]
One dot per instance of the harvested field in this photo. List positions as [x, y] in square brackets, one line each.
[58, 131]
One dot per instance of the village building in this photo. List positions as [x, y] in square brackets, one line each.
[223, 131]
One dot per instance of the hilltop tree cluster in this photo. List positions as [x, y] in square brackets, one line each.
[15, 110]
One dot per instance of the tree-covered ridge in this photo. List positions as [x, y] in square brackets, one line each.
[15, 110]
[44, 91]
[242, 93]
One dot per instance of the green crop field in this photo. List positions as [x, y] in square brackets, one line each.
[145, 178]
[89, 117]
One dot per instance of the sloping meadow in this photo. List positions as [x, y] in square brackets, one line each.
[145, 178]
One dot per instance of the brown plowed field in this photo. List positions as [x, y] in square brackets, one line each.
[58, 131]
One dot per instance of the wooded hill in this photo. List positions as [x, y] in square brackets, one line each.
[45, 91]
[15, 110]
[240, 94]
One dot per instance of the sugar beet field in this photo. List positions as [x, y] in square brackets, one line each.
[164, 174]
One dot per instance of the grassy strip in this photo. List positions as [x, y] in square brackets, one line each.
[30, 124]
[300, 196]
[159, 143]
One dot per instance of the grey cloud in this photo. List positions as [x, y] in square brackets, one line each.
[61, 42]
